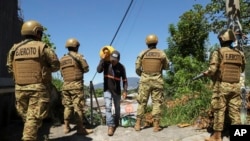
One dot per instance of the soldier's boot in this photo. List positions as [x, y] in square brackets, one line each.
[215, 137]
[156, 125]
[146, 124]
[66, 128]
[137, 126]
[82, 130]
[111, 130]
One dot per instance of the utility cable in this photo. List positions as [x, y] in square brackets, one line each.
[134, 20]
[118, 28]
[121, 22]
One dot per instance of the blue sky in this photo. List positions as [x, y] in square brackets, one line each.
[94, 24]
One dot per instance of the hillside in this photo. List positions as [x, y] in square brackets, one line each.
[132, 83]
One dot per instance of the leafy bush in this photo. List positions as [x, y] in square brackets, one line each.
[185, 98]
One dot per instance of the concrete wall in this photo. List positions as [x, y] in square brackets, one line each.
[10, 27]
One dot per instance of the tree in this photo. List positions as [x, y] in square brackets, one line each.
[190, 35]
[57, 82]
[216, 13]
[187, 52]
[47, 40]
[187, 48]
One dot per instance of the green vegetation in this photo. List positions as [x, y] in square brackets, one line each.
[185, 99]
[99, 92]
[46, 39]
[187, 47]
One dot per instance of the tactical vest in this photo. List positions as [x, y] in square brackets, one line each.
[152, 61]
[230, 66]
[28, 64]
[70, 69]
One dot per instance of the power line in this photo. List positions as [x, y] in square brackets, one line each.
[122, 21]
[118, 28]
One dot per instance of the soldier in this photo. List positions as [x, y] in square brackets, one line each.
[113, 72]
[149, 66]
[31, 63]
[226, 66]
[72, 66]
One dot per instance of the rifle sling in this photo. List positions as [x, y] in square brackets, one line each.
[145, 53]
[77, 61]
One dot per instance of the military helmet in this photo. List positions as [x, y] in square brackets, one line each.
[31, 27]
[72, 42]
[226, 35]
[151, 39]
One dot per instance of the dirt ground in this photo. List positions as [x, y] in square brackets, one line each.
[53, 131]
[48, 132]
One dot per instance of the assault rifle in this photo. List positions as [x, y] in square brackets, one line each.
[198, 76]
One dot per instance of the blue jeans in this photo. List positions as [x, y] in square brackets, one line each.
[108, 97]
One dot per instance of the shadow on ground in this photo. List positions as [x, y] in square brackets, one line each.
[13, 132]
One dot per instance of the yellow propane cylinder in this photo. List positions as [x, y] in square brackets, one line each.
[106, 50]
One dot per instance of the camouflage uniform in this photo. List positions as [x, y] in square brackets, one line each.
[226, 95]
[72, 89]
[151, 83]
[248, 107]
[32, 99]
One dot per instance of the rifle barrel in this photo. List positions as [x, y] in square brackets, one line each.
[198, 76]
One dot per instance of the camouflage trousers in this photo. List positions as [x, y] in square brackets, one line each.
[154, 90]
[248, 116]
[32, 106]
[73, 102]
[226, 98]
